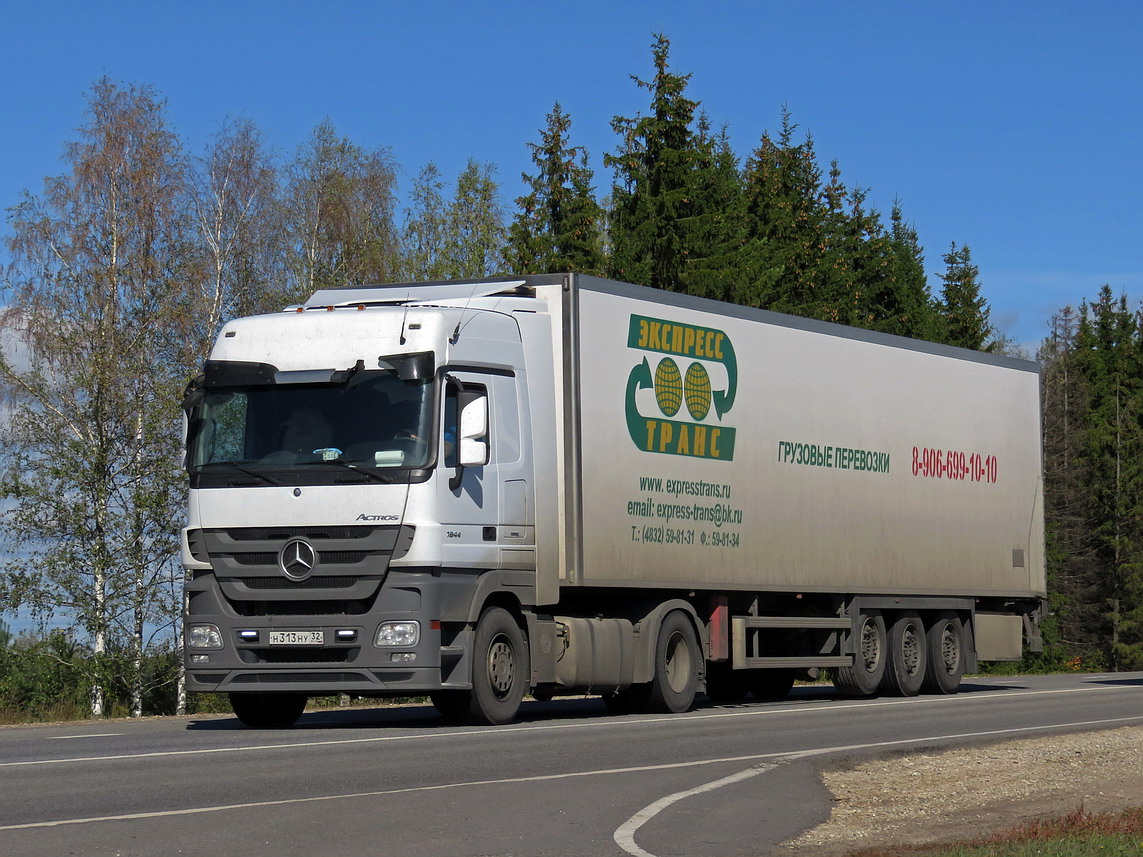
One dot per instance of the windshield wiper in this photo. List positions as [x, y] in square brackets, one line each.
[239, 466]
[371, 474]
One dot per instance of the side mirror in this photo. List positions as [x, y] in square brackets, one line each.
[473, 451]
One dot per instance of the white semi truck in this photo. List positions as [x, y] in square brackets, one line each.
[566, 485]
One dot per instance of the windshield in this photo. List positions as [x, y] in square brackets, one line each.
[375, 420]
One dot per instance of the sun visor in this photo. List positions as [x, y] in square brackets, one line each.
[237, 373]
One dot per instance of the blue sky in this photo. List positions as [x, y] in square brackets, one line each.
[1014, 127]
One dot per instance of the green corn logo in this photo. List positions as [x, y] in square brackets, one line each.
[681, 393]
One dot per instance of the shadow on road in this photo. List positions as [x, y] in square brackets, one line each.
[534, 711]
[1120, 682]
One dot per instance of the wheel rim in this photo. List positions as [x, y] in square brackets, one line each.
[870, 646]
[501, 666]
[679, 667]
[950, 650]
[911, 650]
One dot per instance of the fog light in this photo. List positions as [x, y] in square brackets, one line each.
[398, 634]
[203, 637]
[403, 657]
[200, 659]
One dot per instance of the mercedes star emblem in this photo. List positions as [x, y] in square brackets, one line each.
[297, 559]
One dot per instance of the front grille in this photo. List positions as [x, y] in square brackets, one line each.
[342, 557]
[323, 582]
[246, 564]
[255, 558]
[325, 558]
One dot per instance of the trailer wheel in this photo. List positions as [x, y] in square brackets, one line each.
[946, 649]
[771, 685]
[908, 655]
[864, 676]
[673, 686]
[268, 710]
[726, 684]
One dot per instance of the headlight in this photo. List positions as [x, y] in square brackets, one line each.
[203, 637]
[403, 634]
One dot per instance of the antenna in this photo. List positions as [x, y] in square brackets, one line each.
[405, 315]
[456, 331]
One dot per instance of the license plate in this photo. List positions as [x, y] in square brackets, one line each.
[297, 638]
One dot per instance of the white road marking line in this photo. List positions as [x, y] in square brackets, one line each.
[693, 763]
[624, 836]
[507, 731]
[73, 737]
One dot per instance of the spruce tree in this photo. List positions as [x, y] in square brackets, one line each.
[964, 309]
[714, 232]
[651, 194]
[1108, 353]
[557, 226]
[786, 246]
[1074, 578]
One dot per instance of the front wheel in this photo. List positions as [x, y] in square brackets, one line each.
[500, 673]
[268, 710]
[673, 686]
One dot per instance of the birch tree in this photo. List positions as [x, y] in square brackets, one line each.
[338, 214]
[89, 435]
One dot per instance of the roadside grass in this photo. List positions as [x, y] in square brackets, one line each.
[1078, 834]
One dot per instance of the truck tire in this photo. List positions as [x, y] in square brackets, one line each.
[500, 674]
[946, 649]
[864, 676]
[771, 685]
[726, 684]
[908, 655]
[268, 710]
[675, 681]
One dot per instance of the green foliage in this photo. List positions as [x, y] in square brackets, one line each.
[424, 236]
[339, 203]
[1093, 445]
[965, 310]
[475, 230]
[652, 197]
[460, 237]
[95, 295]
[557, 226]
[48, 677]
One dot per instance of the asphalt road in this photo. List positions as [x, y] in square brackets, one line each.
[568, 779]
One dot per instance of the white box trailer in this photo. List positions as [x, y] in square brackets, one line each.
[559, 484]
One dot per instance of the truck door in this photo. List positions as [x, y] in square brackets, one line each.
[470, 511]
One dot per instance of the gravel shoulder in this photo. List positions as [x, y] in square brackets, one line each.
[945, 796]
